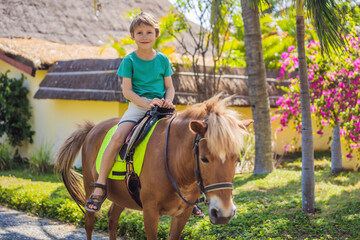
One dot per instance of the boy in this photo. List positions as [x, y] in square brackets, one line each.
[147, 82]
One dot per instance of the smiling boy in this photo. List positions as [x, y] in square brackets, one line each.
[147, 83]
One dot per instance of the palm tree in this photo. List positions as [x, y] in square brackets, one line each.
[326, 17]
[257, 85]
[307, 143]
[336, 155]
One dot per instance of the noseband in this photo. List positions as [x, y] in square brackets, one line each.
[203, 190]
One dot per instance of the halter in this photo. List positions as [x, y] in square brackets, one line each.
[203, 190]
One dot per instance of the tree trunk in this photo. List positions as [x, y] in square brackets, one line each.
[307, 145]
[336, 156]
[257, 85]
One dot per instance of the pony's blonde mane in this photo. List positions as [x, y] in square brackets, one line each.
[224, 134]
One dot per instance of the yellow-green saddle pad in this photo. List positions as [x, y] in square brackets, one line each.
[119, 168]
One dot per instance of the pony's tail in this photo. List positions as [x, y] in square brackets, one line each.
[65, 160]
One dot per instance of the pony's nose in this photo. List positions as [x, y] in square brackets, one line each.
[218, 217]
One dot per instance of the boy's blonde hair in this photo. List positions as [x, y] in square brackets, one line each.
[147, 19]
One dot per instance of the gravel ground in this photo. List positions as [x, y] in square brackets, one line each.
[15, 225]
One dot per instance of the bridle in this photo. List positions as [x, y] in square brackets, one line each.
[203, 190]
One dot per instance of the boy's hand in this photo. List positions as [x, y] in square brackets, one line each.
[167, 104]
[161, 103]
[156, 102]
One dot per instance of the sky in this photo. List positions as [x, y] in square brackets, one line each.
[191, 16]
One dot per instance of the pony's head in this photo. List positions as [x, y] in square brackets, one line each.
[223, 136]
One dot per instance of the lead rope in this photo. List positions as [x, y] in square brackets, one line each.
[169, 174]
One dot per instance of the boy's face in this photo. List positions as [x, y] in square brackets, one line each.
[144, 36]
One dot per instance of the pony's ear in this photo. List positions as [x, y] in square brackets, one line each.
[198, 127]
[245, 123]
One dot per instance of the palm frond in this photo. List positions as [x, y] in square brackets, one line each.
[262, 4]
[326, 16]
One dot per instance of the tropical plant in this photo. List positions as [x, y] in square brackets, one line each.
[259, 97]
[247, 155]
[208, 49]
[14, 110]
[326, 16]
[162, 43]
[41, 159]
[7, 154]
[277, 33]
[119, 46]
[335, 92]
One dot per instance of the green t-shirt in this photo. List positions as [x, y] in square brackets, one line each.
[147, 77]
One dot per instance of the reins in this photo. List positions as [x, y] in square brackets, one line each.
[168, 171]
[203, 190]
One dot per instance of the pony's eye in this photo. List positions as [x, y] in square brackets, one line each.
[204, 159]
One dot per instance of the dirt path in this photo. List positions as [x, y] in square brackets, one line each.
[15, 225]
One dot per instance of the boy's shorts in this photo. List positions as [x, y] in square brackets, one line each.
[133, 114]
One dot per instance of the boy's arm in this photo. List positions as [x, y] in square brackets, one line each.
[170, 92]
[133, 97]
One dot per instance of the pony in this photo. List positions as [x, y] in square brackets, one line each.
[195, 154]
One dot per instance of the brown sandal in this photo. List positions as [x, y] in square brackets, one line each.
[197, 211]
[96, 200]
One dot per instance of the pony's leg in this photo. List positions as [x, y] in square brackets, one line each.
[178, 224]
[114, 215]
[89, 224]
[151, 220]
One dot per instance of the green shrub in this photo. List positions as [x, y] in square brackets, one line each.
[7, 154]
[247, 154]
[14, 110]
[40, 159]
[268, 207]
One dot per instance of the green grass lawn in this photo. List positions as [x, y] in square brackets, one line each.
[268, 206]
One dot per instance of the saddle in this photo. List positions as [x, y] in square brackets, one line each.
[135, 137]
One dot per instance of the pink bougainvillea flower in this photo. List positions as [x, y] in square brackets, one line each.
[342, 132]
[279, 101]
[355, 145]
[275, 117]
[287, 148]
[324, 122]
[334, 88]
[349, 156]
[291, 48]
[285, 55]
[313, 108]
[279, 130]
[320, 132]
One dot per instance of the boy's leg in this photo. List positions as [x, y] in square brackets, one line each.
[110, 154]
[113, 149]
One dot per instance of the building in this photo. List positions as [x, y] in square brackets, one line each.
[57, 44]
